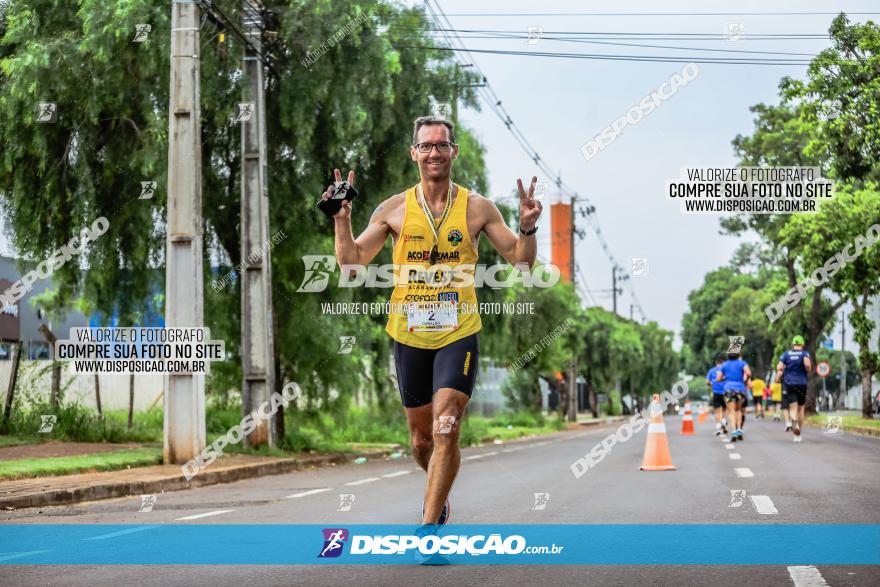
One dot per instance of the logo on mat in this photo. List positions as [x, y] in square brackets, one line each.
[454, 237]
[334, 540]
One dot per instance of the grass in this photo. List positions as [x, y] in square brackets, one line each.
[315, 432]
[846, 422]
[6, 440]
[25, 468]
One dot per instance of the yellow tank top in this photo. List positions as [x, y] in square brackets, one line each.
[776, 388]
[413, 250]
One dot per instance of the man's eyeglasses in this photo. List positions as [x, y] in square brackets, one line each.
[443, 147]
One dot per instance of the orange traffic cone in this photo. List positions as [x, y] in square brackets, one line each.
[704, 413]
[687, 421]
[657, 456]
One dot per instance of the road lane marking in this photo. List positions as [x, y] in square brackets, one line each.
[491, 454]
[120, 533]
[474, 457]
[309, 492]
[396, 474]
[744, 472]
[806, 576]
[205, 515]
[763, 504]
[9, 556]
[734, 456]
[730, 446]
[363, 481]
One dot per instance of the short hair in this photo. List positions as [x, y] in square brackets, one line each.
[719, 358]
[732, 356]
[423, 120]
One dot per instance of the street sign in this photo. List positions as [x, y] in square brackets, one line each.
[823, 369]
[828, 344]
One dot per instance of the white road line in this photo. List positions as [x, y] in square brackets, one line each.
[396, 474]
[763, 504]
[474, 457]
[120, 533]
[806, 576]
[205, 515]
[491, 454]
[744, 472]
[363, 481]
[730, 446]
[309, 492]
[734, 456]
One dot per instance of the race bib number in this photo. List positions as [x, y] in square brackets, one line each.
[432, 316]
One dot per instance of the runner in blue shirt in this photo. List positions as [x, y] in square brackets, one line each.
[717, 388]
[735, 373]
[793, 370]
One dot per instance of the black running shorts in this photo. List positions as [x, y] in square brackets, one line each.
[718, 400]
[421, 372]
[794, 393]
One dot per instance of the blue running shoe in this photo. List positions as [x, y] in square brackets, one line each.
[429, 559]
[444, 513]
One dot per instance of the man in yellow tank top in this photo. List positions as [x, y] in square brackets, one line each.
[436, 333]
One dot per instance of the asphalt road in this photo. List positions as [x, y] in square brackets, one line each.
[828, 478]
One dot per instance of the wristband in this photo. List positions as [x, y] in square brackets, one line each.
[528, 232]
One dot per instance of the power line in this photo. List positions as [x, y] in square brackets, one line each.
[647, 34]
[505, 36]
[495, 104]
[612, 57]
[516, 14]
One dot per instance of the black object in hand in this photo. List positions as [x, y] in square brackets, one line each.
[344, 192]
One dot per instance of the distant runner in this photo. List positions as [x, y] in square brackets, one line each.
[717, 388]
[735, 373]
[776, 400]
[793, 369]
[758, 389]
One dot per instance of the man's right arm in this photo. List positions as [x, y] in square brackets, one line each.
[360, 251]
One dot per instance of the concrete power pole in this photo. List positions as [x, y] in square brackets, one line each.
[573, 367]
[184, 398]
[257, 339]
[842, 359]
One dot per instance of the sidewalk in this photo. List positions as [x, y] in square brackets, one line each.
[68, 489]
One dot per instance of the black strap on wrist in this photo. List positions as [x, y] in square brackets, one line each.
[529, 232]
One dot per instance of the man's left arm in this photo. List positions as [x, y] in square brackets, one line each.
[521, 248]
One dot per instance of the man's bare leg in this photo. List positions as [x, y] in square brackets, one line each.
[421, 436]
[448, 408]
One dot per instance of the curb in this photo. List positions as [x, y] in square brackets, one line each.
[857, 430]
[41, 496]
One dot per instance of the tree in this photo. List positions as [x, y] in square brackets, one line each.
[830, 120]
[353, 107]
[841, 225]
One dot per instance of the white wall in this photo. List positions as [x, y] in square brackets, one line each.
[35, 378]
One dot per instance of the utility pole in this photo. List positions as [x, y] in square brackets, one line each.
[842, 356]
[630, 312]
[456, 89]
[257, 337]
[184, 401]
[614, 290]
[573, 368]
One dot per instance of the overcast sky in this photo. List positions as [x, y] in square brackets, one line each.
[559, 104]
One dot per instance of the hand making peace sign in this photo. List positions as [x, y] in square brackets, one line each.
[529, 208]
